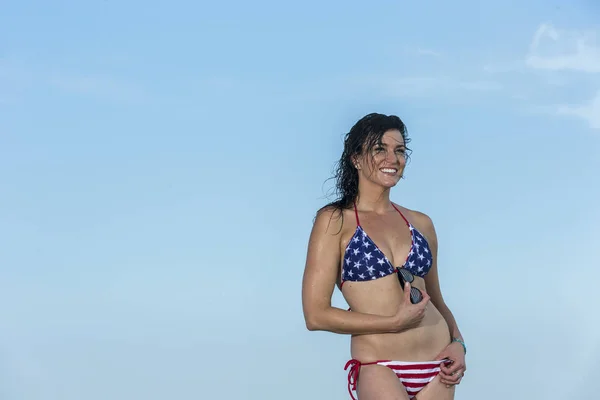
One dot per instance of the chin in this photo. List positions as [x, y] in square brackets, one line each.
[389, 184]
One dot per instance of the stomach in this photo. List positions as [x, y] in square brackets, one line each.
[383, 297]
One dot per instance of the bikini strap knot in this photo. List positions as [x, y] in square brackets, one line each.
[353, 372]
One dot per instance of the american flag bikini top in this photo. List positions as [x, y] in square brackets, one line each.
[364, 261]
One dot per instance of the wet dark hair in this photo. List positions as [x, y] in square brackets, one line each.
[363, 136]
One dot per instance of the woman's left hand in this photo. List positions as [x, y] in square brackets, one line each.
[451, 373]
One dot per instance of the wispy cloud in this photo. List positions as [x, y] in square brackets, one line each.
[428, 52]
[434, 85]
[559, 63]
[430, 74]
[422, 85]
[504, 67]
[560, 50]
[590, 111]
[19, 78]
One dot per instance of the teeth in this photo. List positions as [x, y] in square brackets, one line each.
[388, 170]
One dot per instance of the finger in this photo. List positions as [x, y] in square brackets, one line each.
[449, 377]
[446, 369]
[450, 384]
[454, 368]
[426, 296]
[407, 293]
[452, 373]
[454, 379]
[445, 377]
[450, 381]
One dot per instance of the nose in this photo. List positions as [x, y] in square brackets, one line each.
[391, 156]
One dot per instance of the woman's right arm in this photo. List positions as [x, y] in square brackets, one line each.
[320, 277]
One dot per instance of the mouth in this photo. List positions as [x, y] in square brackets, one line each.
[389, 171]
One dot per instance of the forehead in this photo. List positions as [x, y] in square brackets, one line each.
[393, 137]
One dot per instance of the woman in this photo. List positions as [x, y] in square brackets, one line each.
[383, 257]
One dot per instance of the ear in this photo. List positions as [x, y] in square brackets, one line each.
[355, 162]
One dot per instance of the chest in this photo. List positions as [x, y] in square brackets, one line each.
[379, 246]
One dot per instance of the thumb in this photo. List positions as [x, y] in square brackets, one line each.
[442, 355]
[407, 292]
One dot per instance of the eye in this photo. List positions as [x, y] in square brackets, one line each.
[378, 149]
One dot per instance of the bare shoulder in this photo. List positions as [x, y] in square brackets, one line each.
[324, 250]
[421, 221]
[329, 220]
[332, 225]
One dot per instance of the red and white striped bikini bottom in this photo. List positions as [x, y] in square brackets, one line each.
[414, 375]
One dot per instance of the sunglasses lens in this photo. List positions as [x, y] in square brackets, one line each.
[406, 275]
[415, 295]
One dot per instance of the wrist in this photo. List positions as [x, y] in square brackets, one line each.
[396, 324]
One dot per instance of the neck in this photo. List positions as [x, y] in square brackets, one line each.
[373, 198]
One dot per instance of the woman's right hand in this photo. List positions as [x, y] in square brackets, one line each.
[410, 315]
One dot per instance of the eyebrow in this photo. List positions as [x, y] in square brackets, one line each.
[385, 145]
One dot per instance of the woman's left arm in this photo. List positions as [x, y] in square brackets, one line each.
[455, 351]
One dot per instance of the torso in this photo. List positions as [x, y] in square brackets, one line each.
[382, 294]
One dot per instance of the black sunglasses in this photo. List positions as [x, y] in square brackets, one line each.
[405, 275]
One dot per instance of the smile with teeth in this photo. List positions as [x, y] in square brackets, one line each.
[389, 170]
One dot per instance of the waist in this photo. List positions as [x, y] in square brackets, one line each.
[422, 343]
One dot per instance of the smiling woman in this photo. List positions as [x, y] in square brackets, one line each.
[383, 258]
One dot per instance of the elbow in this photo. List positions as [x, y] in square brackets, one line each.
[313, 322]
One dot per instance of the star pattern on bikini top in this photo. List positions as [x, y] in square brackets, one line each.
[419, 258]
[363, 260]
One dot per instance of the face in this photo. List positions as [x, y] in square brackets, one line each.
[384, 164]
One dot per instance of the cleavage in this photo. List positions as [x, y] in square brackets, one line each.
[394, 241]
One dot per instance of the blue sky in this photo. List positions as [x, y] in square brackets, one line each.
[161, 164]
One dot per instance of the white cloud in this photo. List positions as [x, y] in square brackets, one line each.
[503, 67]
[428, 52]
[559, 50]
[416, 86]
[556, 52]
[590, 112]
[20, 77]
